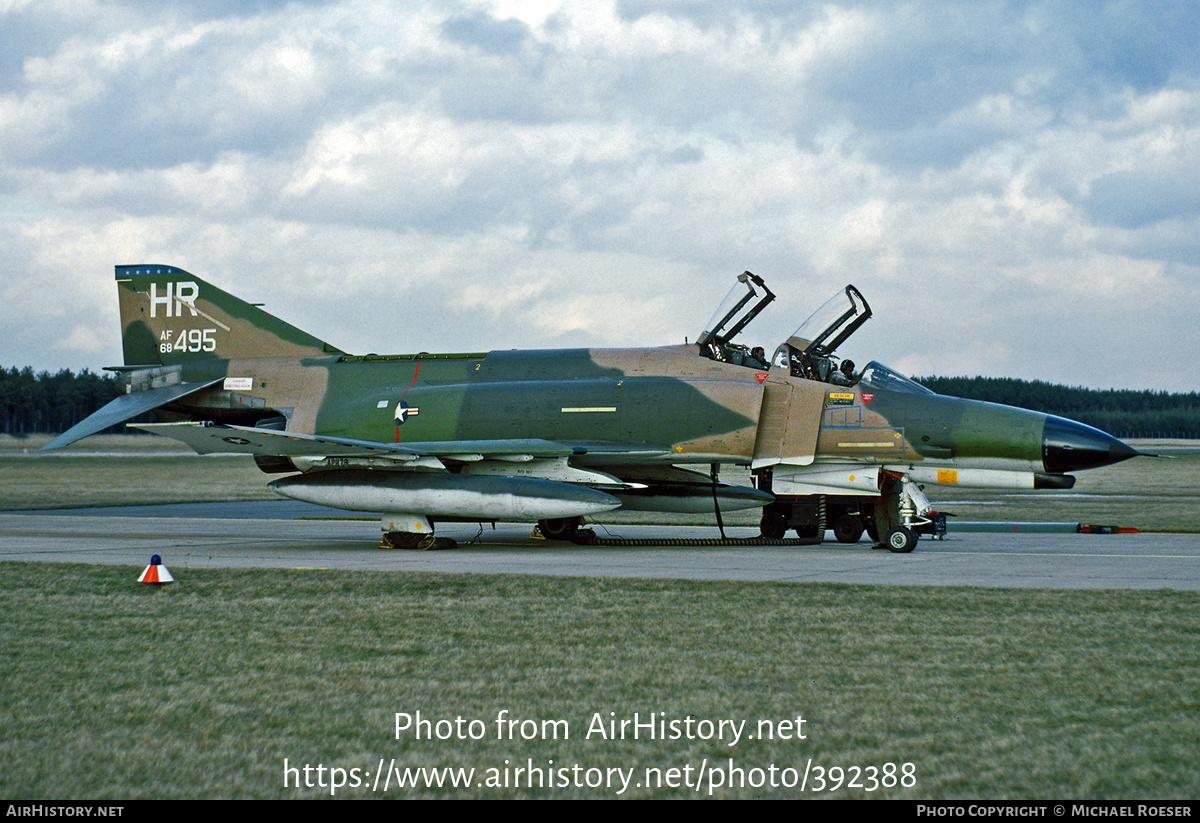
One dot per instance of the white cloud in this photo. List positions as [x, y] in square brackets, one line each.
[1009, 187]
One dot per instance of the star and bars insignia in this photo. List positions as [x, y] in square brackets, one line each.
[405, 411]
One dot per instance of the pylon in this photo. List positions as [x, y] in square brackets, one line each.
[156, 572]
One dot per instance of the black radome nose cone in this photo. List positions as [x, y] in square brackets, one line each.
[1068, 446]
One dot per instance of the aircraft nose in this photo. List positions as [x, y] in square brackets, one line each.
[1068, 446]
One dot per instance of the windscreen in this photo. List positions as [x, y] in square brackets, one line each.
[878, 376]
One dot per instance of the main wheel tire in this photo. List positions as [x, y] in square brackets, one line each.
[406, 540]
[559, 528]
[901, 540]
[847, 529]
[433, 544]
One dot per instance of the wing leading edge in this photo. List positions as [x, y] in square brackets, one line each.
[210, 438]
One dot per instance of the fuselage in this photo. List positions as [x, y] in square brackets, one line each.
[659, 405]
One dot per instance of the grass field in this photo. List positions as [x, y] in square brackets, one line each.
[203, 688]
[115, 470]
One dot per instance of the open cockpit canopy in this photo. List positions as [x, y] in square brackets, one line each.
[829, 326]
[808, 353]
[745, 300]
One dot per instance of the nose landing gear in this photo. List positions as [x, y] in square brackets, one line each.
[901, 510]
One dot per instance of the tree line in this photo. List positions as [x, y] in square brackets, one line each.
[51, 403]
[1120, 412]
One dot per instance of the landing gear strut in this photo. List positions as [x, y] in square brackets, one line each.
[901, 507]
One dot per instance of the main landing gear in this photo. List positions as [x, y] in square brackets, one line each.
[421, 542]
[566, 528]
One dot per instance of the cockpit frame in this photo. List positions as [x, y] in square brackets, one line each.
[745, 300]
[808, 353]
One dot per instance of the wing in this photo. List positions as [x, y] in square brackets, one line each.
[209, 438]
[127, 407]
[639, 475]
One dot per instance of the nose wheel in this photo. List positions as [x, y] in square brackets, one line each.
[901, 540]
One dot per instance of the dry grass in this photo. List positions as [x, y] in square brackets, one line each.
[203, 688]
[115, 470]
[1145, 493]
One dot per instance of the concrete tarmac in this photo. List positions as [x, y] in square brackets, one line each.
[286, 534]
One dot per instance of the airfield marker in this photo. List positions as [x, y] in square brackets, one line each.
[156, 572]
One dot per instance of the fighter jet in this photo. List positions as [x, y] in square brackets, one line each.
[555, 436]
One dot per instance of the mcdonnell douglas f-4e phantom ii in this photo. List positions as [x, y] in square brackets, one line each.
[554, 436]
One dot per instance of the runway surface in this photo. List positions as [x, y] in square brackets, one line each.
[286, 534]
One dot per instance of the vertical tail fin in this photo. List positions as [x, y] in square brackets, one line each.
[170, 316]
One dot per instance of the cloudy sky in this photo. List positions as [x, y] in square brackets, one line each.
[1014, 186]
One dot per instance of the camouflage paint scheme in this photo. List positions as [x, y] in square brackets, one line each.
[557, 434]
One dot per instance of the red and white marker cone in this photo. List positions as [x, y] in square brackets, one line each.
[156, 572]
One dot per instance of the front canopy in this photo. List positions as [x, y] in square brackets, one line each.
[745, 300]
